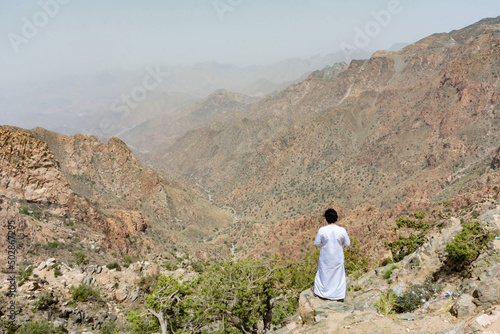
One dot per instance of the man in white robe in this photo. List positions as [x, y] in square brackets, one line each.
[330, 282]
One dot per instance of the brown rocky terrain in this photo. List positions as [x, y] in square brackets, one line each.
[404, 125]
[37, 195]
[74, 189]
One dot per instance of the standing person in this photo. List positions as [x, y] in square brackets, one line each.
[330, 282]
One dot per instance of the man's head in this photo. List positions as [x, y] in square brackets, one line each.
[331, 216]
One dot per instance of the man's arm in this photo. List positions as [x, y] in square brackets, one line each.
[347, 241]
[318, 240]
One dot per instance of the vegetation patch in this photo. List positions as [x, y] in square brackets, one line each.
[386, 303]
[24, 275]
[39, 327]
[45, 301]
[114, 265]
[415, 296]
[84, 293]
[356, 262]
[468, 244]
[387, 273]
[412, 234]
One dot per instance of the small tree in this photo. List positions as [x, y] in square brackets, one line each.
[416, 231]
[172, 305]
[467, 245]
[81, 259]
[240, 294]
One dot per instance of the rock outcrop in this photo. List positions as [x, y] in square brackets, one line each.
[473, 303]
[29, 171]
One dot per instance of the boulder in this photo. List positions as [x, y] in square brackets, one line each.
[80, 277]
[135, 267]
[152, 269]
[76, 317]
[65, 313]
[90, 269]
[120, 294]
[313, 309]
[51, 263]
[463, 306]
[179, 272]
[487, 294]
[491, 218]
[134, 295]
[58, 324]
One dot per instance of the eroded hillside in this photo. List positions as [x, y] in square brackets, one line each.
[400, 126]
[47, 177]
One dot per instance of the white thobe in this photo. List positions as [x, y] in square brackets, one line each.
[330, 280]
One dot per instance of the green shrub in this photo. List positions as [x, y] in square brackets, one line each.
[51, 245]
[24, 211]
[8, 326]
[57, 273]
[387, 273]
[114, 265]
[385, 304]
[170, 266]
[415, 296]
[24, 275]
[84, 293]
[39, 327]
[45, 301]
[81, 258]
[109, 327]
[129, 259]
[139, 324]
[198, 265]
[419, 215]
[30, 211]
[468, 244]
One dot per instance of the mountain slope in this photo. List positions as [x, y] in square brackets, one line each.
[399, 125]
[105, 186]
[160, 132]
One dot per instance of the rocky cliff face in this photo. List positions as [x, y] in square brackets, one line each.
[48, 177]
[36, 195]
[30, 171]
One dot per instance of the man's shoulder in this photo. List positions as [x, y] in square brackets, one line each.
[340, 228]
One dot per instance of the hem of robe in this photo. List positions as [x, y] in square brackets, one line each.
[323, 298]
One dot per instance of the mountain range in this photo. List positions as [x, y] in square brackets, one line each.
[232, 173]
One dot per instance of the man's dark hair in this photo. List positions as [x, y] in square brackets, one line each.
[331, 216]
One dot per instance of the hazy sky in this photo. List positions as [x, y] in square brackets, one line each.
[47, 38]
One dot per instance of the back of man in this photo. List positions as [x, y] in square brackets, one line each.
[330, 281]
